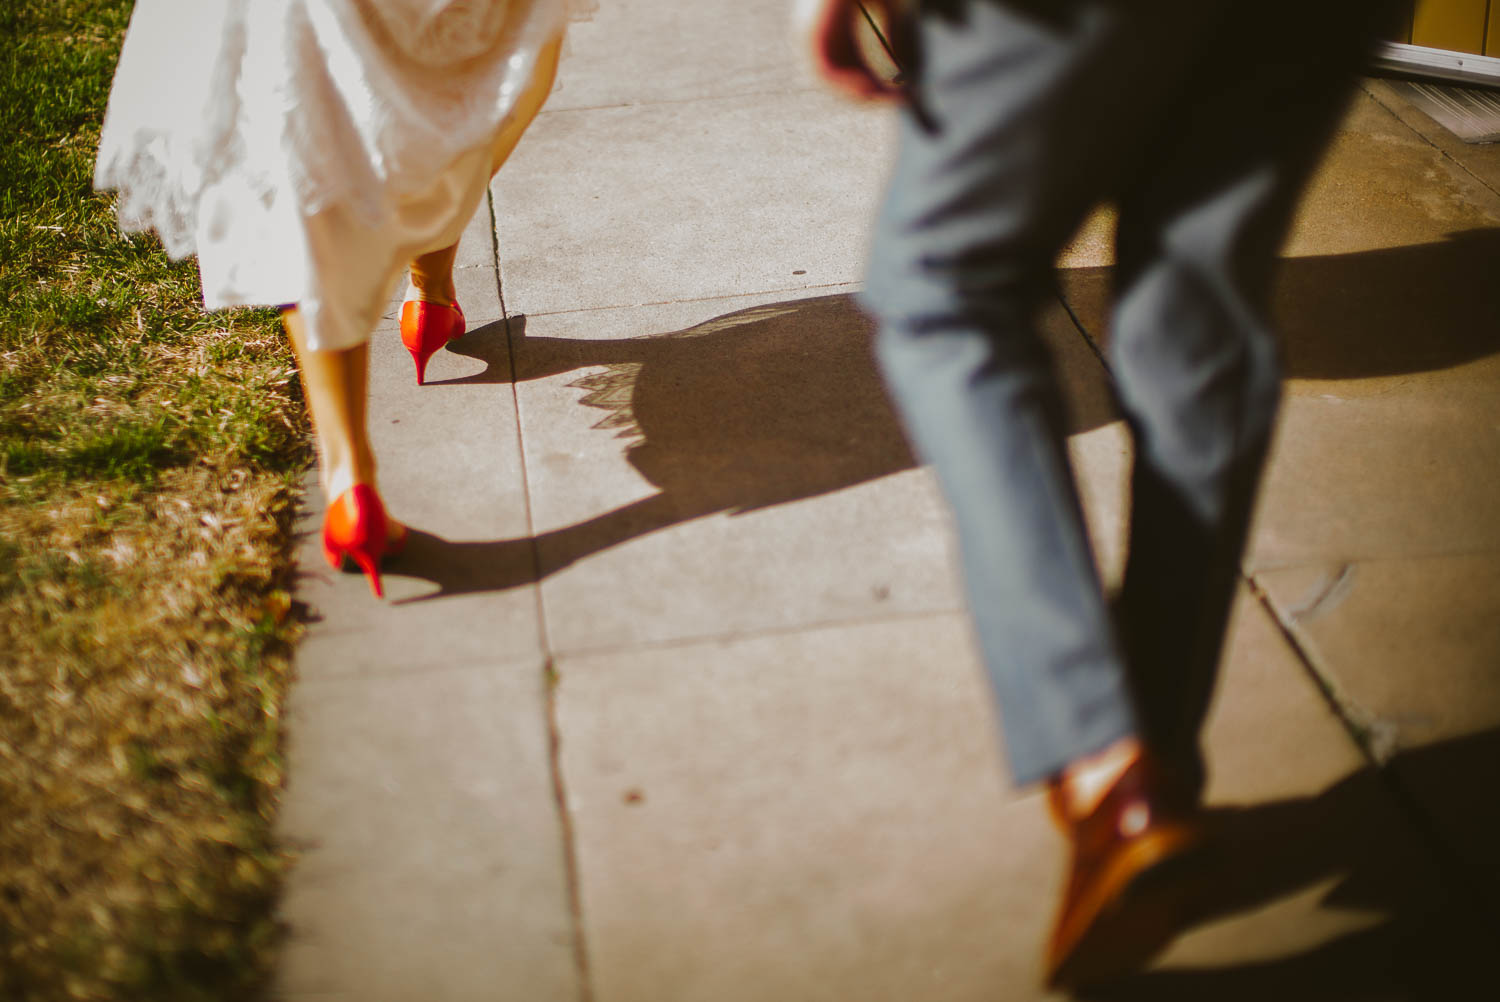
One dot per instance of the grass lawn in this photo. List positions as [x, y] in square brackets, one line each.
[149, 457]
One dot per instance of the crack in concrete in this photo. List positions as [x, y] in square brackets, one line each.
[1394, 113]
[1326, 595]
[570, 845]
[550, 676]
[1375, 738]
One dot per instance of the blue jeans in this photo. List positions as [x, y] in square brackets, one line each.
[1199, 120]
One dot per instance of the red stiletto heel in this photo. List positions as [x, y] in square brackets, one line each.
[426, 327]
[356, 528]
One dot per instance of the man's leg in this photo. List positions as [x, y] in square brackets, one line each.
[1191, 350]
[1027, 112]
[1017, 131]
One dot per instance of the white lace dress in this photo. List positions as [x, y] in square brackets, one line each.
[306, 149]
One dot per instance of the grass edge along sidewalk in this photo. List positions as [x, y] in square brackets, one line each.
[149, 457]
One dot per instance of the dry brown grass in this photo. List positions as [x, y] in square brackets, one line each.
[149, 457]
[146, 637]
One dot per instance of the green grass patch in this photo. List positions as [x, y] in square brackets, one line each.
[148, 453]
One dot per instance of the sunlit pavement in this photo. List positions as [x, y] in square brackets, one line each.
[673, 698]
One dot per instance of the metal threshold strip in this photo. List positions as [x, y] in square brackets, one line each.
[1437, 64]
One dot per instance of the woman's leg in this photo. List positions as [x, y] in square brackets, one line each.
[431, 277]
[335, 385]
[432, 273]
[528, 104]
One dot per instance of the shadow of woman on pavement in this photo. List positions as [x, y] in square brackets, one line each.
[783, 402]
[754, 408]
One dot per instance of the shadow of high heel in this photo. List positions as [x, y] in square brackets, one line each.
[457, 568]
[781, 402]
[463, 568]
[488, 343]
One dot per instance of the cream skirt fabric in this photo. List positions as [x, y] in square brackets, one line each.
[306, 149]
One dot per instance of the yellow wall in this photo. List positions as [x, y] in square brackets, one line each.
[1453, 24]
[1403, 30]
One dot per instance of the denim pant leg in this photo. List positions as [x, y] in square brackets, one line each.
[1016, 133]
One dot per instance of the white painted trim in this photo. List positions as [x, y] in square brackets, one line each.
[1438, 64]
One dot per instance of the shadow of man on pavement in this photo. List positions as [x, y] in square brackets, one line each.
[1410, 846]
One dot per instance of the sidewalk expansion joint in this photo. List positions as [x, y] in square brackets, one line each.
[550, 678]
[813, 89]
[1377, 744]
[1455, 161]
[1374, 740]
[1083, 330]
[736, 636]
[440, 666]
[515, 404]
[852, 286]
[569, 841]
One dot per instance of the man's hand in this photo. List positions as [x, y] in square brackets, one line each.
[827, 29]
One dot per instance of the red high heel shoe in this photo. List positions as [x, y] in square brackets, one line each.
[426, 327]
[355, 529]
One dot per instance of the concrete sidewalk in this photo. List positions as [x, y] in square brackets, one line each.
[673, 698]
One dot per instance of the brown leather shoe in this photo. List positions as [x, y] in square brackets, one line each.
[1127, 894]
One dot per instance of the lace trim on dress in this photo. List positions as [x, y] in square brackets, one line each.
[160, 144]
[354, 103]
